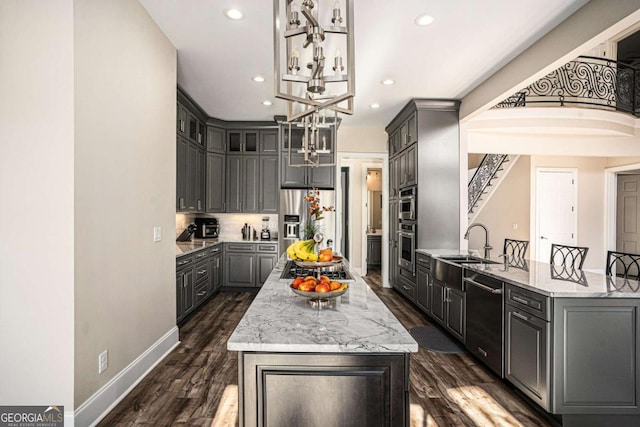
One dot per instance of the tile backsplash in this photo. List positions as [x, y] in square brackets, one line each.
[230, 223]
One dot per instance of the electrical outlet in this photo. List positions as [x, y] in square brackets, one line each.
[103, 361]
[157, 234]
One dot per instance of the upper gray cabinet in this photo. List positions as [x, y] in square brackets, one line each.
[269, 194]
[215, 140]
[269, 142]
[242, 141]
[322, 177]
[215, 182]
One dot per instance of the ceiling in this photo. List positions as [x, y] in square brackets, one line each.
[467, 42]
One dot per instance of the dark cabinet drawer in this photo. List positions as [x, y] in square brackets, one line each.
[202, 271]
[184, 262]
[201, 293]
[528, 301]
[215, 250]
[423, 260]
[200, 255]
[406, 287]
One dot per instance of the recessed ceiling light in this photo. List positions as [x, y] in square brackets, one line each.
[423, 20]
[258, 79]
[374, 105]
[234, 14]
[388, 82]
[267, 103]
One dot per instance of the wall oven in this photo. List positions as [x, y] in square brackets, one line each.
[407, 246]
[407, 204]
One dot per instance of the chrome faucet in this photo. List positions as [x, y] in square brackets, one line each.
[487, 247]
[506, 261]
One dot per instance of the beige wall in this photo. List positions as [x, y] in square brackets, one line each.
[362, 139]
[622, 161]
[507, 206]
[591, 206]
[125, 95]
[36, 188]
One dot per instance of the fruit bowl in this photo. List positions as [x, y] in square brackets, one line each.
[320, 295]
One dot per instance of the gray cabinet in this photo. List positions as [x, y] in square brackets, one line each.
[215, 183]
[247, 265]
[527, 354]
[596, 356]
[374, 250]
[322, 177]
[393, 242]
[243, 184]
[269, 190]
[438, 290]
[185, 282]
[265, 264]
[423, 282]
[408, 166]
[215, 140]
[199, 181]
[454, 320]
[242, 141]
[182, 168]
[269, 142]
[182, 120]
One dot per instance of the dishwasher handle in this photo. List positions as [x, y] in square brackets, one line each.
[483, 287]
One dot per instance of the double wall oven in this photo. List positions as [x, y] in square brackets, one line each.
[407, 230]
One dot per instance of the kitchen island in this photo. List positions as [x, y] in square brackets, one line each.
[567, 338]
[343, 364]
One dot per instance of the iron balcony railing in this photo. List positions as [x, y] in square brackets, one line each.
[491, 163]
[587, 82]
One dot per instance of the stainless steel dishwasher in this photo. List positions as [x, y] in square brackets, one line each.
[484, 319]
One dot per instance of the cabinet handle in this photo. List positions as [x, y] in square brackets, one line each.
[181, 125]
[201, 272]
[183, 262]
[483, 287]
[520, 316]
[202, 293]
[520, 300]
[199, 205]
[184, 282]
[181, 202]
[201, 255]
[482, 352]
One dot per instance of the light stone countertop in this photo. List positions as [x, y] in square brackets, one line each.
[357, 322]
[551, 280]
[186, 248]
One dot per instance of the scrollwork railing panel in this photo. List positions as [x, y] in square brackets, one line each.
[588, 82]
[490, 164]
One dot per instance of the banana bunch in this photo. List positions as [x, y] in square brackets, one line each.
[302, 250]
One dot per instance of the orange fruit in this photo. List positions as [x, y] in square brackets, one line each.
[325, 279]
[310, 278]
[298, 280]
[306, 286]
[322, 287]
[335, 285]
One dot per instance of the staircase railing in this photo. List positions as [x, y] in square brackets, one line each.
[490, 164]
[587, 81]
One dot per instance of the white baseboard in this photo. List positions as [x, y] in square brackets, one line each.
[104, 400]
[68, 419]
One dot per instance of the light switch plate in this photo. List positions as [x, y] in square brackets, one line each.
[157, 234]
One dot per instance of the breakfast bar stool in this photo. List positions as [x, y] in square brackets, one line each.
[568, 256]
[626, 264]
[516, 249]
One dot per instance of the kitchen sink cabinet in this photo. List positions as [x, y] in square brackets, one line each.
[269, 192]
[215, 185]
[438, 292]
[215, 140]
[454, 313]
[423, 282]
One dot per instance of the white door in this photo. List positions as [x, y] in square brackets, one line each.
[628, 214]
[556, 210]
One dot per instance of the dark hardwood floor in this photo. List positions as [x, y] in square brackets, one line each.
[197, 383]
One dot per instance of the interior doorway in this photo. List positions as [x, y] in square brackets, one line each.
[344, 220]
[628, 213]
[614, 178]
[556, 209]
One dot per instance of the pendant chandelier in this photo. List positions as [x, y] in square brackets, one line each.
[304, 32]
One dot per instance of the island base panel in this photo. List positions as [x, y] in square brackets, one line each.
[285, 389]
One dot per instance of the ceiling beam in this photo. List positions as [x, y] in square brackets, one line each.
[594, 23]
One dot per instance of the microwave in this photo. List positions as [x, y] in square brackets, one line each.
[407, 204]
[208, 228]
